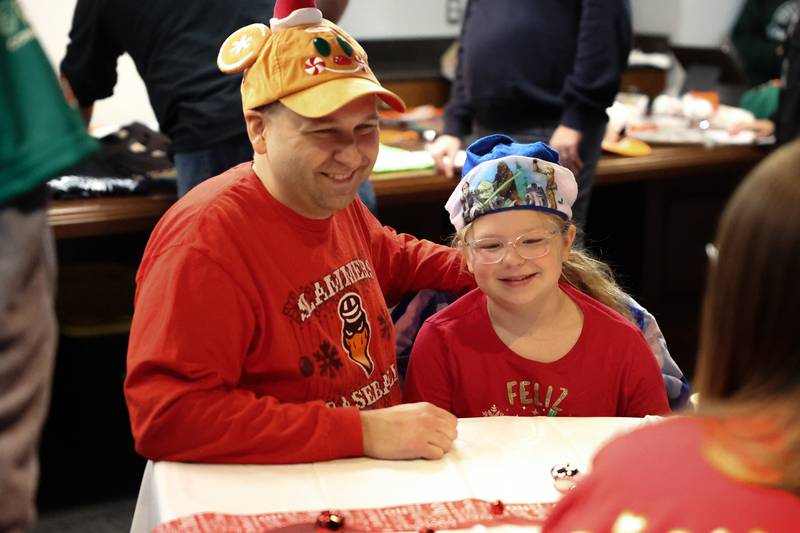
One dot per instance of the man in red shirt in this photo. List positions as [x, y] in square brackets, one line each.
[261, 331]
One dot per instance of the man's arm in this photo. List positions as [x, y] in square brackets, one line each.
[405, 264]
[408, 431]
[601, 55]
[89, 68]
[185, 392]
[191, 332]
[69, 96]
[332, 9]
[458, 113]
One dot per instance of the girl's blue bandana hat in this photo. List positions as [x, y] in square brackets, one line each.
[500, 174]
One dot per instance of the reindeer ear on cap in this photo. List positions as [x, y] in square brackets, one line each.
[241, 48]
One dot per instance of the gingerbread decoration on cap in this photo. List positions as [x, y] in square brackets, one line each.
[306, 62]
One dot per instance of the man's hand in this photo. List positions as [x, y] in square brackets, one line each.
[567, 141]
[408, 431]
[762, 127]
[444, 150]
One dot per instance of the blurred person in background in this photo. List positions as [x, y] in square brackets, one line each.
[759, 34]
[785, 122]
[41, 136]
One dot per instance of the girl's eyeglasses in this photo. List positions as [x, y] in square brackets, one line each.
[530, 245]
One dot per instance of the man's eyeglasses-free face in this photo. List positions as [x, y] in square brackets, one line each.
[531, 245]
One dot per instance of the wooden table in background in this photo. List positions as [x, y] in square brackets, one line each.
[106, 216]
[665, 162]
[103, 216]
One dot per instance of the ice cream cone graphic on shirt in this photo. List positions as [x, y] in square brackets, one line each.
[355, 331]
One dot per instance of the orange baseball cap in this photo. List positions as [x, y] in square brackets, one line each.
[307, 63]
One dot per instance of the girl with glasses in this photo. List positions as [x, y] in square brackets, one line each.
[547, 332]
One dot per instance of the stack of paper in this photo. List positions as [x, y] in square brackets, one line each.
[391, 159]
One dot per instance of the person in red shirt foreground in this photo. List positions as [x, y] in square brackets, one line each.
[735, 464]
[545, 332]
[261, 332]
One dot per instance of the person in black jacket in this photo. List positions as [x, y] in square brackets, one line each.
[538, 70]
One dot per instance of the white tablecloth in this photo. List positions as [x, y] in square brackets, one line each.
[505, 458]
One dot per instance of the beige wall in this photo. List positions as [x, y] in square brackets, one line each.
[400, 19]
[687, 22]
[702, 23]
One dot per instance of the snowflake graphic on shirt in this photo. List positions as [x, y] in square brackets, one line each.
[493, 411]
[328, 359]
[383, 322]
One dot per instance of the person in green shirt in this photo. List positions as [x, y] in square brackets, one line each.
[41, 135]
[759, 34]
[784, 123]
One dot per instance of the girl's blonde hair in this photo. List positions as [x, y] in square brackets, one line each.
[587, 274]
[593, 277]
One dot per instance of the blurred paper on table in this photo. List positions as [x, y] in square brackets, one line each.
[724, 137]
[412, 114]
[638, 58]
[694, 118]
[627, 108]
[391, 159]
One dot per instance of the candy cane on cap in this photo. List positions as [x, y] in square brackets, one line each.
[314, 65]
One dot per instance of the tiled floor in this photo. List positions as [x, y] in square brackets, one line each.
[106, 517]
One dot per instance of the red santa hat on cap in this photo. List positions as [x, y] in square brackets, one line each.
[294, 13]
